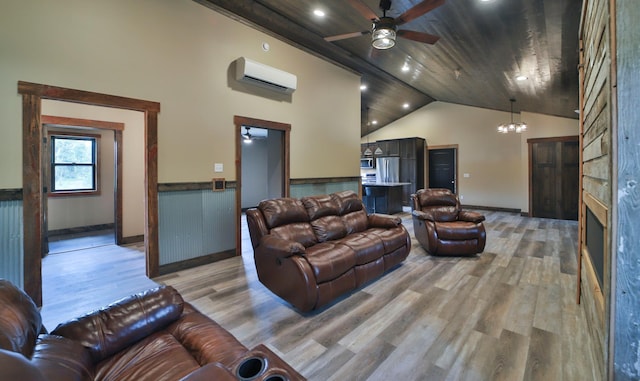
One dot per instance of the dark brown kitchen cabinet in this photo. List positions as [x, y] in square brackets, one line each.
[387, 148]
[412, 166]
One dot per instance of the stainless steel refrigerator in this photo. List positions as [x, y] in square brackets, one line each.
[387, 169]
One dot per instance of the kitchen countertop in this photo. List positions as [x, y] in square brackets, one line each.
[383, 184]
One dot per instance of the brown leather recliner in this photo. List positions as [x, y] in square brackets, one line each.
[442, 227]
[154, 335]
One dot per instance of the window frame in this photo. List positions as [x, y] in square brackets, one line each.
[95, 138]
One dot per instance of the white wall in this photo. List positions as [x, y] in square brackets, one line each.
[132, 171]
[497, 164]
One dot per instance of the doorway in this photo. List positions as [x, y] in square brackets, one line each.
[261, 165]
[443, 168]
[278, 179]
[84, 219]
[554, 177]
[32, 179]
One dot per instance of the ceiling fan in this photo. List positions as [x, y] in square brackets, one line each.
[385, 29]
[248, 137]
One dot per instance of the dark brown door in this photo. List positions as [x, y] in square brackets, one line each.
[554, 188]
[442, 168]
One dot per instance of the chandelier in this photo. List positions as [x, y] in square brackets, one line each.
[512, 127]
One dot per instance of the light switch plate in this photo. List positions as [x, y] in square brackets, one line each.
[218, 167]
[466, 175]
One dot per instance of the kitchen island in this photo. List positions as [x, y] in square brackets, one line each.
[382, 197]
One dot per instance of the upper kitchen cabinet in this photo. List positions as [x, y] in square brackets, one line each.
[387, 148]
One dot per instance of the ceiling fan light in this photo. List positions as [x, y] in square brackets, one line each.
[384, 34]
[383, 38]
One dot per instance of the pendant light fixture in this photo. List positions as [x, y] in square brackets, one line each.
[367, 151]
[512, 127]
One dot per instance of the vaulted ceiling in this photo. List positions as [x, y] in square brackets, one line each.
[484, 46]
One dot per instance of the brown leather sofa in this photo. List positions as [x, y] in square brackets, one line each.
[153, 335]
[311, 250]
[442, 227]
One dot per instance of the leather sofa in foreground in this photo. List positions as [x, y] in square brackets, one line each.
[309, 251]
[153, 335]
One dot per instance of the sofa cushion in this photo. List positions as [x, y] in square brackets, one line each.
[320, 206]
[392, 239]
[20, 321]
[300, 232]
[109, 330]
[458, 230]
[329, 228]
[367, 248]
[356, 222]
[329, 261]
[347, 202]
[283, 211]
[156, 357]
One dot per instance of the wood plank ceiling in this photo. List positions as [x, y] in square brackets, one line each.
[483, 47]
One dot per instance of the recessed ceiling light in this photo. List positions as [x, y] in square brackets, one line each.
[319, 12]
[374, 122]
[406, 105]
[405, 67]
[522, 78]
[363, 87]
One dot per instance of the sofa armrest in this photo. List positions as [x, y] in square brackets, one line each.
[274, 364]
[469, 216]
[211, 371]
[60, 358]
[423, 215]
[14, 366]
[383, 221]
[281, 248]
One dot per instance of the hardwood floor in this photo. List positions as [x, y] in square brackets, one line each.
[508, 314]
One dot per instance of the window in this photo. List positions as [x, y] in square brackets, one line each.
[74, 164]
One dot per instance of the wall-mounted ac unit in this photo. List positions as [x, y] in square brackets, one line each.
[255, 73]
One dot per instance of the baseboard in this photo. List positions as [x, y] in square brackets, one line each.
[195, 262]
[132, 239]
[81, 229]
[494, 209]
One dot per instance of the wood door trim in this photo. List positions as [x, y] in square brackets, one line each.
[571, 138]
[240, 121]
[61, 121]
[117, 128]
[32, 95]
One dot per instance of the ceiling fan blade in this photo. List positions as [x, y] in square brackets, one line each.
[418, 36]
[418, 10]
[346, 35]
[364, 9]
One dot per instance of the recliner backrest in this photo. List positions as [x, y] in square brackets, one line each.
[324, 215]
[111, 329]
[20, 320]
[288, 219]
[441, 203]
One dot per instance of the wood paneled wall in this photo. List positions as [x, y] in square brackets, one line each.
[596, 134]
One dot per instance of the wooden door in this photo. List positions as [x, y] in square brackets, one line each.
[554, 186]
[442, 168]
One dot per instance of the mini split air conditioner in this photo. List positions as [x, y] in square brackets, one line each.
[258, 74]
